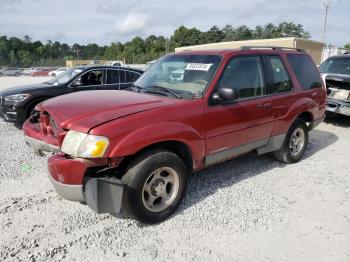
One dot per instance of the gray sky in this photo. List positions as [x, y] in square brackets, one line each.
[102, 22]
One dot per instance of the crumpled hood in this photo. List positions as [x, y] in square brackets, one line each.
[339, 81]
[82, 111]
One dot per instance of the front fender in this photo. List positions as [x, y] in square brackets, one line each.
[155, 133]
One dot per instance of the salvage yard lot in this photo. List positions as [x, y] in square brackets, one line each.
[250, 209]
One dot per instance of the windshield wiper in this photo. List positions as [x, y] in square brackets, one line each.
[164, 89]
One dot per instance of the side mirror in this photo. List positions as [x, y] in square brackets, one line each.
[227, 93]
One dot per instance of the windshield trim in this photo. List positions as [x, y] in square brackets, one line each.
[205, 90]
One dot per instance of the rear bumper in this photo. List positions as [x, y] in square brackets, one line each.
[338, 107]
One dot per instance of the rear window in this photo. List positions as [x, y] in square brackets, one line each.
[305, 71]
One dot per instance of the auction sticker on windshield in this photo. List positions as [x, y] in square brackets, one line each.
[198, 66]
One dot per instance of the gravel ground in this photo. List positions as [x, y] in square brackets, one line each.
[250, 209]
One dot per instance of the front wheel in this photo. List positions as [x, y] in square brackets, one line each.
[294, 144]
[156, 183]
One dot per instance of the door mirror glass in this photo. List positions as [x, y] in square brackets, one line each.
[227, 93]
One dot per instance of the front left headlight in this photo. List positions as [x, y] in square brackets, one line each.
[16, 98]
[342, 95]
[78, 144]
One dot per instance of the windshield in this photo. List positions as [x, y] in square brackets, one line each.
[185, 75]
[64, 77]
[339, 65]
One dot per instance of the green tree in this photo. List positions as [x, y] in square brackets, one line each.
[25, 58]
[186, 37]
[214, 35]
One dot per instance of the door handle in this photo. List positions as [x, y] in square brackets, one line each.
[264, 106]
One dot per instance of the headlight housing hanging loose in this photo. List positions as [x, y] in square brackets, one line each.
[77, 144]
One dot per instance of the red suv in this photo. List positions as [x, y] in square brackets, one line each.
[135, 149]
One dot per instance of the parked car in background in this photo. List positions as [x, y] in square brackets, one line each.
[136, 149]
[57, 71]
[28, 71]
[336, 74]
[115, 63]
[41, 72]
[10, 71]
[18, 103]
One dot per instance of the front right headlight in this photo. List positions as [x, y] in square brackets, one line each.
[79, 144]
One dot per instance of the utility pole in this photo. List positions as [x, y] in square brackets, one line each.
[325, 6]
[166, 46]
[77, 50]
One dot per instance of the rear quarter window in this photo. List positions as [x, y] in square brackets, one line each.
[305, 71]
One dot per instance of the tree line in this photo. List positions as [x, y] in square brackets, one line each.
[26, 52]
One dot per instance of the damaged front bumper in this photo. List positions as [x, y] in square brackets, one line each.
[338, 107]
[40, 148]
[73, 181]
[81, 180]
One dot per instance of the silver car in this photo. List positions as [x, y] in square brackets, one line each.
[10, 71]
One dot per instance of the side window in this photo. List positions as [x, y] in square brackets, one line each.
[280, 79]
[129, 78]
[122, 76]
[245, 75]
[92, 78]
[305, 71]
[112, 77]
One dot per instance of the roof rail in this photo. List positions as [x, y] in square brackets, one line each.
[278, 48]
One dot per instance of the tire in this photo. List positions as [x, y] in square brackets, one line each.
[156, 182]
[294, 144]
[17, 74]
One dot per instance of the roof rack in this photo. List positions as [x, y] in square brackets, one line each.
[278, 48]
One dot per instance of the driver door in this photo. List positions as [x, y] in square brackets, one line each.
[245, 123]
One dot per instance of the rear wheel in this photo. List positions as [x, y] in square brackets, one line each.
[294, 144]
[156, 184]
